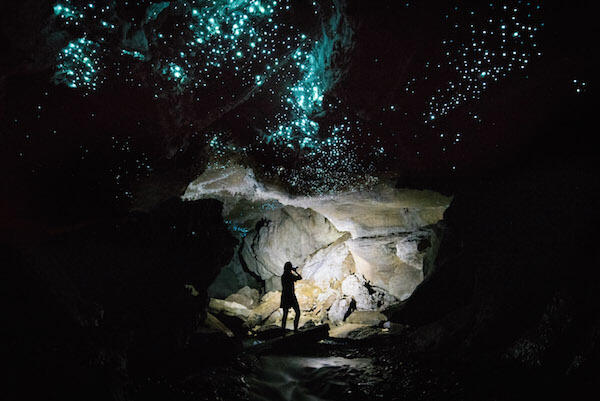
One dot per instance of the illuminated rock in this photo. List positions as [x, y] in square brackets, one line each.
[339, 309]
[393, 263]
[251, 293]
[355, 286]
[288, 234]
[325, 301]
[249, 297]
[229, 308]
[379, 211]
[240, 299]
[366, 317]
[268, 304]
[366, 246]
[231, 278]
[329, 265]
[307, 295]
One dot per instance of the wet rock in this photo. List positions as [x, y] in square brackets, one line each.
[364, 332]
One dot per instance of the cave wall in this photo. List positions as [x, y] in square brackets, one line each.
[363, 250]
[108, 301]
[514, 274]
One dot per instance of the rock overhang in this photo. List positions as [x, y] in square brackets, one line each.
[361, 250]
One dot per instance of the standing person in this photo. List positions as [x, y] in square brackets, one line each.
[288, 296]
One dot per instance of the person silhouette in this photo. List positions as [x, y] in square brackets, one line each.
[288, 296]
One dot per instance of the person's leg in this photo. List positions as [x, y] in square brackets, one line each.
[284, 318]
[297, 318]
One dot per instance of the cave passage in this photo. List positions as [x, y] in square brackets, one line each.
[428, 166]
[359, 253]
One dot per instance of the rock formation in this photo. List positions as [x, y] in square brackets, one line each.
[362, 251]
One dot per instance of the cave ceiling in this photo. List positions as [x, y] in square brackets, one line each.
[125, 103]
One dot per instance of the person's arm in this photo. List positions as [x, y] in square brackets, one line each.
[297, 276]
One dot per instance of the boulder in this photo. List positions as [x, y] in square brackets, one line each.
[355, 286]
[339, 310]
[229, 308]
[249, 297]
[268, 304]
[251, 293]
[329, 264]
[307, 295]
[231, 279]
[366, 317]
[393, 263]
[241, 299]
[287, 234]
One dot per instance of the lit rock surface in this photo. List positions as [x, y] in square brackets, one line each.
[229, 308]
[329, 265]
[287, 234]
[366, 317]
[269, 303]
[356, 251]
[249, 297]
[392, 263]
[379, 211]
[339, 309]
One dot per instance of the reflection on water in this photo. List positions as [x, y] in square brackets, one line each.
[305, 378]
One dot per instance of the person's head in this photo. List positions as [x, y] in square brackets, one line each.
[287, 267]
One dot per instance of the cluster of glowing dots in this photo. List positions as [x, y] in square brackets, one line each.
[77, 66]
[73, 14]
[500, 40]
[216, 51]
[295, 128]
[224, 35]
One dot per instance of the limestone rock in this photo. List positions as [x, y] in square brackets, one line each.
[379, 212]
[355, 286]
[240, 299]
[328, 265]
[274, 318]
[231, 278]
[380, 261]
[229, 308]
[251, 293]
[307, 295]
[366, 317]
[288, 234]
[273, 284]
[339, 309]
[268, 304]
[368, 245]
[326, 298]
[404, 281]
[249, 297]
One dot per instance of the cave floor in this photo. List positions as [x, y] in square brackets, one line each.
[383, 367]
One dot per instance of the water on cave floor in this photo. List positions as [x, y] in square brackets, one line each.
[298, 378]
